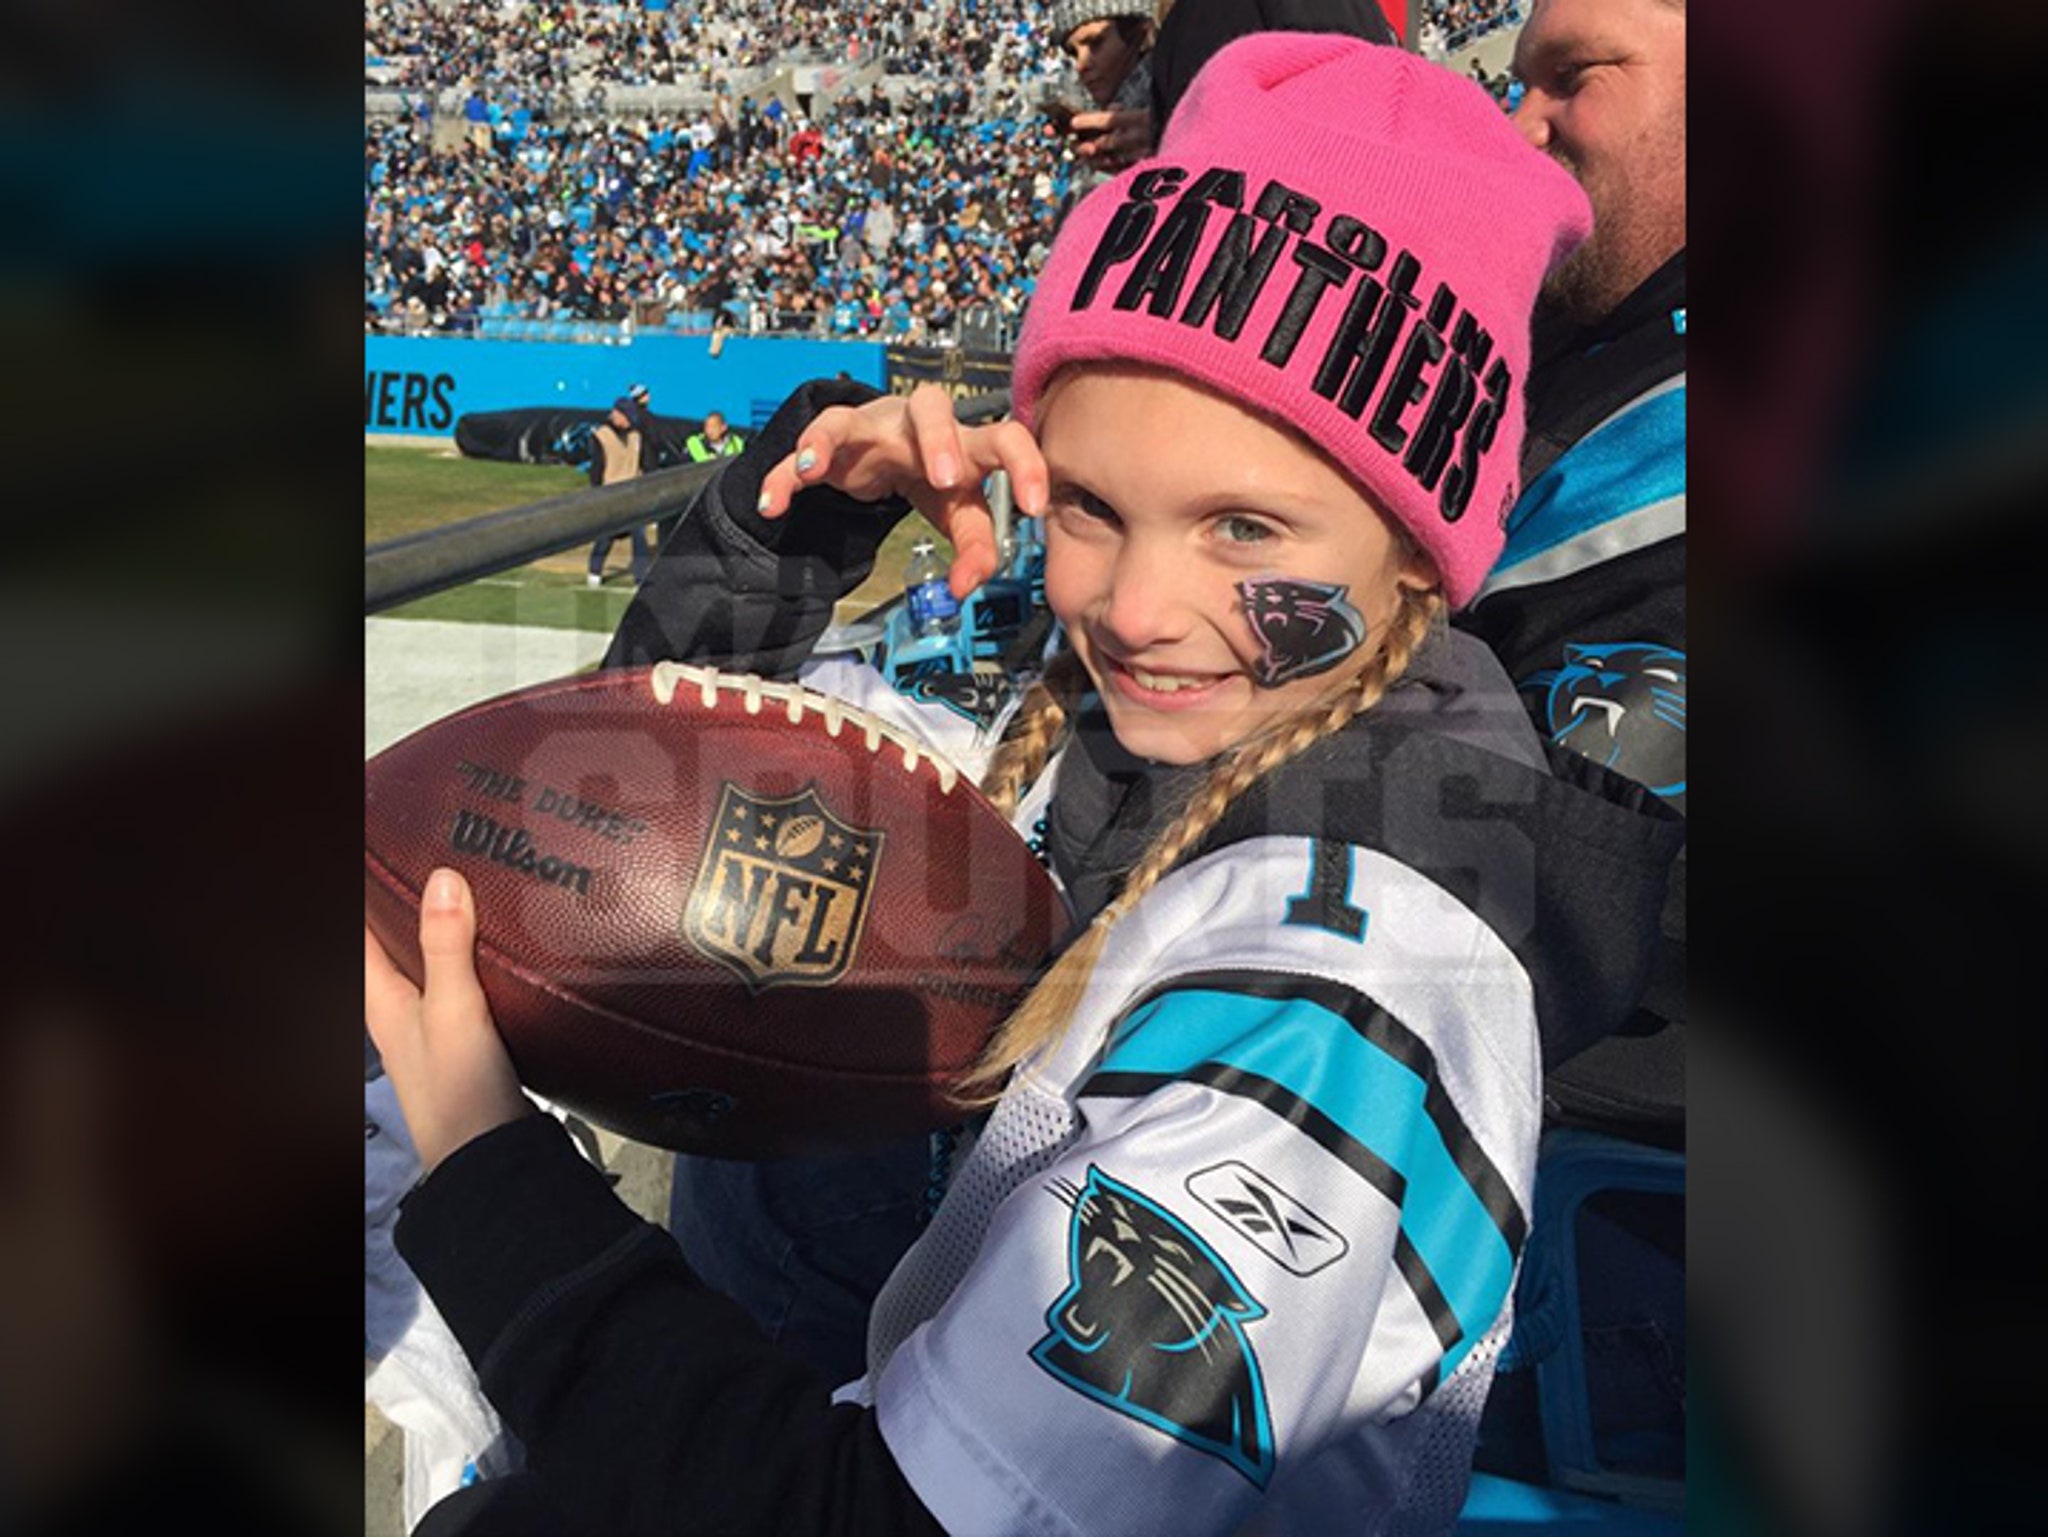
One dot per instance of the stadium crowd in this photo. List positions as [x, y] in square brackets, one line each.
[545, 45]
[1449, 24]
[882, 218]
[887, 215]
[901, 210]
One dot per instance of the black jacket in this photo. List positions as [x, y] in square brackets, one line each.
[1568, 641]
[1195, 29]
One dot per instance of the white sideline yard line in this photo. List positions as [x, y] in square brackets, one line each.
[417, 670]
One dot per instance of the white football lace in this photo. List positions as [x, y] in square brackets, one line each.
[795, 700]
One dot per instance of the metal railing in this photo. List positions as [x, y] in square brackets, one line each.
[433, 560]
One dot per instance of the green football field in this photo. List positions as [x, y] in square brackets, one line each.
[407, 489]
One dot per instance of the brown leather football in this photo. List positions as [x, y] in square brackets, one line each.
[714, 913]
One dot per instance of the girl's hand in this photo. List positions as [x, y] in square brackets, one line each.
[913, 447]
[452, 1075]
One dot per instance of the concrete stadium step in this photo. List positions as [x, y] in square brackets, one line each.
[417, 670]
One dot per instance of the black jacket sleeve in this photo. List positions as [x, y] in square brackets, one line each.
[1195, 29]
[732, 588]
[646, 1402]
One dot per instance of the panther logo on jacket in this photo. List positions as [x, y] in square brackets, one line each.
[1152, 1325]
[1623, 706]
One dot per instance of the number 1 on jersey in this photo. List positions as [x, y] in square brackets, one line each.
[1326, 904]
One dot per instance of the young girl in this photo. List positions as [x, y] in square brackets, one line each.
[1233, 1250]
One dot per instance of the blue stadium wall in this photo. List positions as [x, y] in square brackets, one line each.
[418, 385]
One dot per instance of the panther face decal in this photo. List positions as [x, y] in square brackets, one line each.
[978, 697]
[1622, 705]
[1152, 1325]
[1304, 628]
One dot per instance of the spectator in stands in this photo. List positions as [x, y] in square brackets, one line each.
[1110, 42]
[620, 451]
[1586, 605]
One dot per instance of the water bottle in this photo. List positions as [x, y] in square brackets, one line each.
[933, 608]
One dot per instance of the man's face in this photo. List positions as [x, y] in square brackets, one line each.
[714, 427]
[1604, 96]
[1101, 57]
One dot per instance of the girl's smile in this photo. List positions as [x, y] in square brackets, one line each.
[1166, 497]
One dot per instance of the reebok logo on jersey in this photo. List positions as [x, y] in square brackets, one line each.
[1286, 1231]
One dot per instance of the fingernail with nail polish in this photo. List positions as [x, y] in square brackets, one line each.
[805, 460]
[762, 504]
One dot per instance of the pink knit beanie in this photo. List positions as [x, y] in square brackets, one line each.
[1347, 239]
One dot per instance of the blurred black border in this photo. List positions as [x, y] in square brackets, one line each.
[1866, 449]
[179, 790]
[178, 786]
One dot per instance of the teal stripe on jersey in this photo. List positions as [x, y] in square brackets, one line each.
[1316, 1056]
[1637, 459]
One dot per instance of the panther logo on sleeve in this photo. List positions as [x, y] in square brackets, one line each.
[1152, 1325]
[1623, 706]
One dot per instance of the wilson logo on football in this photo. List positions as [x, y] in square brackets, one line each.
[783, 890]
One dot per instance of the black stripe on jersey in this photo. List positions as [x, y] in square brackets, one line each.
[1319, 1128]
[1376, 1025]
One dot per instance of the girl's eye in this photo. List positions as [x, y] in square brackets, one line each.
[1082, 509]
[1235, 528]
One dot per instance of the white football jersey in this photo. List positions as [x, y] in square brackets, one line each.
[1236, 1252]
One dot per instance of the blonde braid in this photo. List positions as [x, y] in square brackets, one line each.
[1046, 1011]
[1033, 733]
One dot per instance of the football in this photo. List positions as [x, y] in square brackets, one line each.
[715, 913]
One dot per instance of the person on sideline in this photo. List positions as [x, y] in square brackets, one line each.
[620, 451]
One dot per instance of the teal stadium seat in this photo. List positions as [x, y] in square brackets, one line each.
[1593, 1472]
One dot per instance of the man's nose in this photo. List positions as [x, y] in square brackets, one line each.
[1532, 118]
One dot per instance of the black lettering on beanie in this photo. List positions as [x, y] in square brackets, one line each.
[1119, 242]
[1425, 346]
[1163, 268]
[1350, 341]
[1150, 185]
[1220, 185]
[1366, 338]
[1319, 269]
[1423, 379]
[1464, 475]
[1236, 272]
[1283, 205]
[1442, 305]
[1451, 402]
[1472, 342]
[1356, 241]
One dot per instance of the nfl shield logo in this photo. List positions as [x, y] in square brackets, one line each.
[783, 890]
